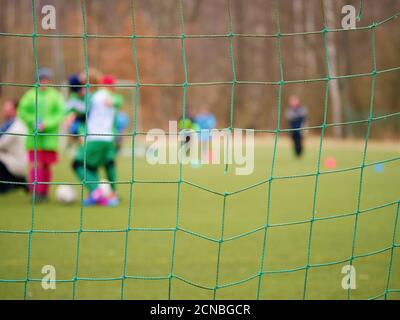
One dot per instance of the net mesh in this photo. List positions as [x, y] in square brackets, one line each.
[268, 182]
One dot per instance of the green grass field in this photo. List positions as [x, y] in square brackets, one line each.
[153, 218]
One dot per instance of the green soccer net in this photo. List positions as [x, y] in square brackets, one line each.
[213, 244]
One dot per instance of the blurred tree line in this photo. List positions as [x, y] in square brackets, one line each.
[259, 57]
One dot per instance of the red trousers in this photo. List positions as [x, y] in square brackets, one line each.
[40, 170]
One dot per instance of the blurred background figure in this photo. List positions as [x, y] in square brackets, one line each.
[122, 118]
[206, 122]
[296, 114]
[188, 128]
[76, 106]
[42, 115]
[121, 122]
[186, 124]
[13, 160]
[99, 150]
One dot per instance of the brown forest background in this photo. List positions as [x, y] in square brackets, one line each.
[208, 58]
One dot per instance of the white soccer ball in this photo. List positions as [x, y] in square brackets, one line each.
[65, 194]
[105, 187]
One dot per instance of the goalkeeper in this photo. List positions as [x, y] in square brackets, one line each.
[100, 145]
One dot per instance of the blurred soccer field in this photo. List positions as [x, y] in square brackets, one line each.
[153, 217]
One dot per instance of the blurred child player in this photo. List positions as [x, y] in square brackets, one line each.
[76, 106]
[12, 149]
[120, 124]
[296, 115]
[207, 122]
[42, 111]
[99, 148]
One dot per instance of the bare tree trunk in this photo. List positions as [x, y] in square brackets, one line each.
[333, 84]
[58, 51]
[298, 51]
[310, 26]
[93, 12]
[25, 61]
[11, 48]
[345, 85]
[241, 65]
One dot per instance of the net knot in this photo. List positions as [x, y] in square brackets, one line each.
[373, 25]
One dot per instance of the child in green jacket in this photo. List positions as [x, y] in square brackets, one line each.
[42, 111]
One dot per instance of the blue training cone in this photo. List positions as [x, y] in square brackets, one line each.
[379, 168]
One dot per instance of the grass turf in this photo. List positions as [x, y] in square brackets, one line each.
[153, 218]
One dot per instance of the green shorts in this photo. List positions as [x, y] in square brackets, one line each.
[98, 153]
